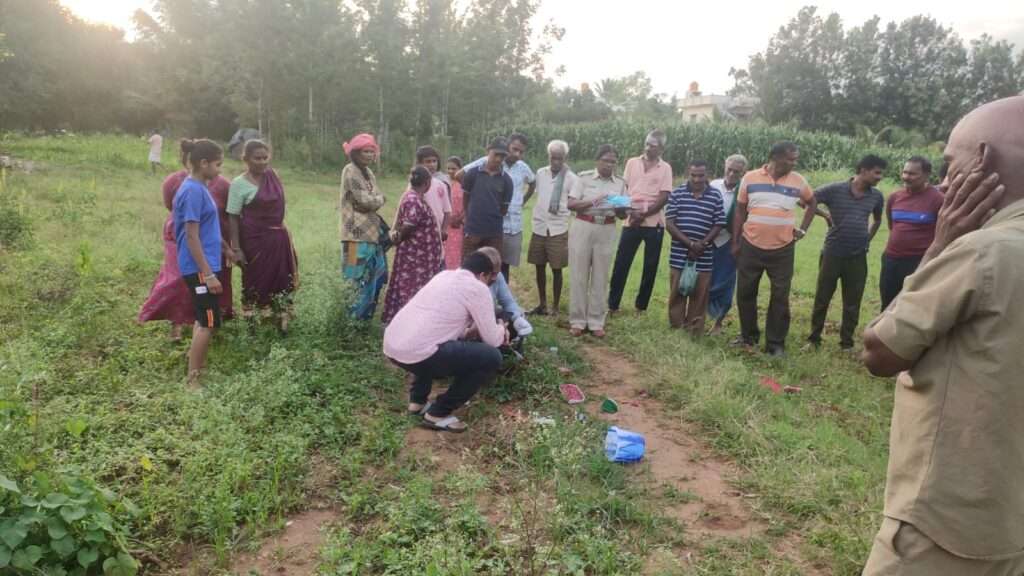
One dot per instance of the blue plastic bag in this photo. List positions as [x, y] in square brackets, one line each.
[619, 201]
[623, 446]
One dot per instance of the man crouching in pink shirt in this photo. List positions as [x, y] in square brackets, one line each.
[434, 336]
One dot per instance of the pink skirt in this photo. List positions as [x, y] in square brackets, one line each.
[169, 298]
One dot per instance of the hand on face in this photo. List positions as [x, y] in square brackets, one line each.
[969, 202]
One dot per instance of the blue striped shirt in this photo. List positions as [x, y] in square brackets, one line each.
[694, 217]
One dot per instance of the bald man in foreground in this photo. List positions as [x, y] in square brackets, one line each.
[954, 497]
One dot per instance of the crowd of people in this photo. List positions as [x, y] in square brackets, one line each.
[725, 233]
[949, 283]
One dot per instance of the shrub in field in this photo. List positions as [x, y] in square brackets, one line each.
[63, 526]
[15, 229]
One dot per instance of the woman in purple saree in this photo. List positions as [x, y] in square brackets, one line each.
[262, 243]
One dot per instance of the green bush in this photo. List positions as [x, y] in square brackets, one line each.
[63, 526]
[15, 229]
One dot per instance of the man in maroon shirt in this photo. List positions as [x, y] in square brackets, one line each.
[911, 212]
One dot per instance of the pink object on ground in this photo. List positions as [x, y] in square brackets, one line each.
[771, 384]
[572, 393]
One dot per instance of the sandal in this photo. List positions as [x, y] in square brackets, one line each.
[422, 408]
[446, 424]
[538, 311]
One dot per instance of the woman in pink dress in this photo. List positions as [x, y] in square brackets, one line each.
[453, 245]
[418, 245]
[169, 298]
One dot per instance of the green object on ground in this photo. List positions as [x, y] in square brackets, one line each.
[609, 406]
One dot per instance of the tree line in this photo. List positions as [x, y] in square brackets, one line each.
[309, 73]
[906, 82]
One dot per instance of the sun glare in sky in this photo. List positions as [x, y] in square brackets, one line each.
[676, 42]
[115, 12]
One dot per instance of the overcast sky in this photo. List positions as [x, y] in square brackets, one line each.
[678, 42]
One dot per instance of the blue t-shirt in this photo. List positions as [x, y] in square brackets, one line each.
[193, 203]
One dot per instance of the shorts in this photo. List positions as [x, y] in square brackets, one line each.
[471, 244]
[512, 249]
[205, 302]
[549, 250]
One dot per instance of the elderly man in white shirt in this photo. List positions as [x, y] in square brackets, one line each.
[549, 244]
[723, 270]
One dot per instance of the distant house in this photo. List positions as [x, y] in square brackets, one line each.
[697, 107]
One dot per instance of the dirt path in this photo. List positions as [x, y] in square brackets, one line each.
[705, 505]
[295, 551]
[678, 463]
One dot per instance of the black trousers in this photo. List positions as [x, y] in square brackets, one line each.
[852, 271]
[894, 272]
[752, 263]
[470, 364]
[629, 243]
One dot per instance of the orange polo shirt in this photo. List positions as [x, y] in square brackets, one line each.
[770, 205]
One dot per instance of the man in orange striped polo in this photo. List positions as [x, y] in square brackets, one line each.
[763, 222]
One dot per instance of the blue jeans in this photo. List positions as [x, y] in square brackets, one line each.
[470, 364]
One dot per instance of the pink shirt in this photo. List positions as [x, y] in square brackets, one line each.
[439, 201]
[443, 310]
[645, 187]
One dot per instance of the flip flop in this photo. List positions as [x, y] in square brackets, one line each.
[538, 311]
[423, 410]
[445, 425]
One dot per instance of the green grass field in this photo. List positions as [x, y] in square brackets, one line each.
[316, 417]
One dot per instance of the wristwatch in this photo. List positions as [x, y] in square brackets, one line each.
[800, 233]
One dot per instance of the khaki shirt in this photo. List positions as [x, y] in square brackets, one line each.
[544, 222]
[590, 186]
[360, 200]
[956, 462]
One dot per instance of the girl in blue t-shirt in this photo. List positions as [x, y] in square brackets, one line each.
[197, 233]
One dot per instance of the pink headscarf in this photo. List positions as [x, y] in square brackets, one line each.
[360, 142]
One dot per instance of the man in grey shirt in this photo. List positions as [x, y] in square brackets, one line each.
[844, 256]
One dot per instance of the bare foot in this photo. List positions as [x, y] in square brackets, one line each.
[193, 380]
[176, 332]
[598, 333]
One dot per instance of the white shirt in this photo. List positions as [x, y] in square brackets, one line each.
[544, 222]
[728, 197]
[156, 144]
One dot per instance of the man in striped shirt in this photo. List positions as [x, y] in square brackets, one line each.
[765, 204]
[694, 216]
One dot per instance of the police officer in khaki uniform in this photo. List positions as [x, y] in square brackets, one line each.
[592, 241]
[954, 498]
